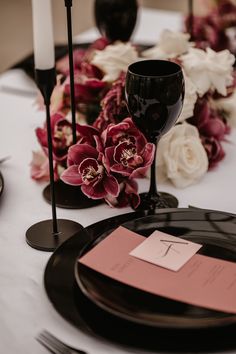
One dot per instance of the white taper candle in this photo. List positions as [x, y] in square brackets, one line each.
[44, 55]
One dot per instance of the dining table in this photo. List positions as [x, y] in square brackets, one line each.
[25, 309]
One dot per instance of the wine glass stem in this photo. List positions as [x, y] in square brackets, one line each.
[153, 182]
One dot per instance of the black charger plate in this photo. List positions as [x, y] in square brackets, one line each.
[159, 324]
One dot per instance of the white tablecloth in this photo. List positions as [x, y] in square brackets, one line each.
[24, 307]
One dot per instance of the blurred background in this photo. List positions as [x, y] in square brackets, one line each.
[16, 24]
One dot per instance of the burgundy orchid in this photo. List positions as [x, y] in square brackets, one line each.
[86, 169]
[209, 121]
[62, 139]
[105, 167]
[210, 30]
[124, 131]
[62, 64]
[114, 108]
[214, 150]
[128, 195]
[212, 128]
[89, 88]
[127, 151]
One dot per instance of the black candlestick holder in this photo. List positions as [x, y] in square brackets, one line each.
[190, 19]
[47, 235]
[70, 197]
[68, 5]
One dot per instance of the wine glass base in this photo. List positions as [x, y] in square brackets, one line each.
[161, 201]
[41, 237]
[69, 197]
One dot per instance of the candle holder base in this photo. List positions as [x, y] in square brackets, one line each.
[41, 236]
[69, 197]
[164, 200]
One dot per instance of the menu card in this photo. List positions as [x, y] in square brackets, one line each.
[202, 281]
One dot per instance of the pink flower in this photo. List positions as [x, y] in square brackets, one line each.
[86, 169]
[57, 98]
[128, 195]
[61, 130]
[40, 167]
[99, 44]
[127, 151]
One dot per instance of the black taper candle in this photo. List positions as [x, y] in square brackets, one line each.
[68, 5]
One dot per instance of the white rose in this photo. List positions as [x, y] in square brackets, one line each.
[209, 69]
[190, 99]
[171, 45]
[114, 59]
[228, 105]
[181, 157]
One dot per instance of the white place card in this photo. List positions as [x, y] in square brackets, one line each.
[165, 250]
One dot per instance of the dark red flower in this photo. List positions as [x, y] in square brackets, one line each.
[210, 30]
[113, 105]
[87, 134]
[214, 150]
[209, 122]
[62, 139]
[86, 169]
[88, 86]
[127, 151]
[99, 44]
[124, 131]
[128, 195]
[62, 65]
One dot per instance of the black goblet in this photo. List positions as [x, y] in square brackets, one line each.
[116, 19]
[155, 93]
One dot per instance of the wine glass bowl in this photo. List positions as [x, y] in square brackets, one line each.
[154, 93]
[116, 19]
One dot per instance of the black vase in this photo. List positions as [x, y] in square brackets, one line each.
[116, 19]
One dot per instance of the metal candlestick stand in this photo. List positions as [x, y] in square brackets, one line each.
[70, 197]
[190, 15]
[47, 235]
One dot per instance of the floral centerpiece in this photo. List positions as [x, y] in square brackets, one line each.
[111, 152]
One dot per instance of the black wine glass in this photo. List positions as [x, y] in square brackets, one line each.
[116, 19]
[155, 92]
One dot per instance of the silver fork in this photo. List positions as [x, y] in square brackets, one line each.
[56, 346]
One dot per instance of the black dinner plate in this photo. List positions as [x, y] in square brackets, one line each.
[27, 63]
[120, 313]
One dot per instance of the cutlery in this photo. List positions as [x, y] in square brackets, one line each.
[18, 91]
[56, 346]
[3, 159]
